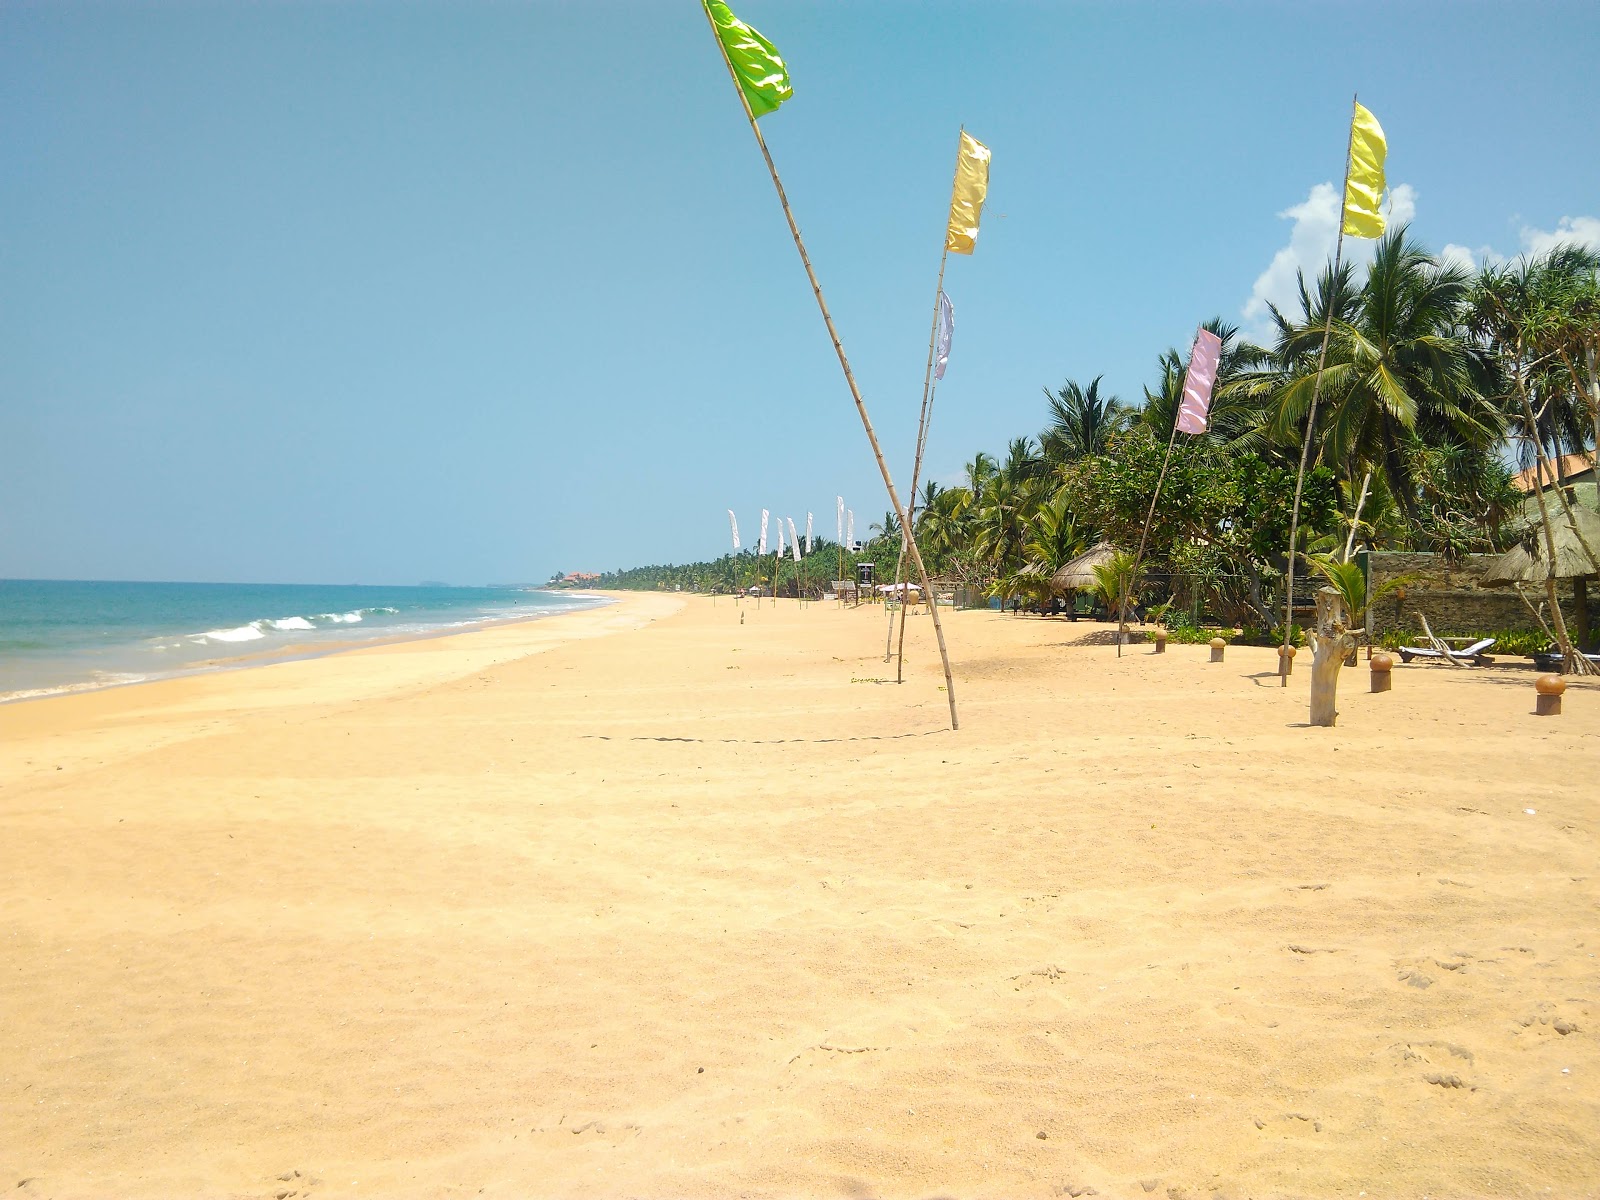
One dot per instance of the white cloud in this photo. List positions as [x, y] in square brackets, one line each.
[1310, 249]
[1585, 231]
[1467, 258]
[1315, 230]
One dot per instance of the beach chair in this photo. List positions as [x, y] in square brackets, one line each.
[1438, 648]
[1551, 660]
[1468, 656]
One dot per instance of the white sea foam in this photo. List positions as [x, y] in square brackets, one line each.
[349, 618]
[291, 623]
[102, 679]
[242, 633]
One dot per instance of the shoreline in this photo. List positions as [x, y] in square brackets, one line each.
[293, 652]
[655, 901]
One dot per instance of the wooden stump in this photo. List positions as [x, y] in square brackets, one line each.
[1331, 644]
[1217, 647]
[1161, 641]
[1549, 689]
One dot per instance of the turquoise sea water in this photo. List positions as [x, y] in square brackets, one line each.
[63, 635]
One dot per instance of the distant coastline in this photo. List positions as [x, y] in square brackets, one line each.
[59, 637]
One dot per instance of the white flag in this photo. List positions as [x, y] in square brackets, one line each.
[850, 529]
[947, 326]
[838, 532]
[734, 521]
[762, 548]
[808, 533]
[794, 541]
[780, 537]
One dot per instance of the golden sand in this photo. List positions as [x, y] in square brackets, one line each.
[647, 901]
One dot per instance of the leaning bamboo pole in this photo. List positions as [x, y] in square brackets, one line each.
[929, 387]
[1144, 534]
[1311, 415]
[844, 362]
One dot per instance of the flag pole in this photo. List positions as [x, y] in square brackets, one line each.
[838, 347]
[929, 385]
[1122, 615]
[1311, 415]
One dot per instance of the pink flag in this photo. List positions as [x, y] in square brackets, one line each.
[1203, 359]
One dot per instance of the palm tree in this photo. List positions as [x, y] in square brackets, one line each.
[1236, 417]
[1053, 537]
[1515, 310]
[1082, 422]
[1398, 363]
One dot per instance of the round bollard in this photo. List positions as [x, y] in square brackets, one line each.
[1286, 660]
[1217, 646]
[1161, 641]
[1382, 665]
[1549, 688]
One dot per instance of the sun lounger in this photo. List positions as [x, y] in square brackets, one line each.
[1550, 660]
[1472, 655]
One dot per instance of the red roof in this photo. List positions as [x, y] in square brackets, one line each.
[1571, 464]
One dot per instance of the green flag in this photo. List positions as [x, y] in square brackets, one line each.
[755, 61]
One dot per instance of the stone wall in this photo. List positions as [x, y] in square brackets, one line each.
[1449, 595]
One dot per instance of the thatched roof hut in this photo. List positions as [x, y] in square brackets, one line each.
[1527, 561]
[1078, 575]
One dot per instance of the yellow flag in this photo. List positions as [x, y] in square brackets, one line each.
[966, 199]
[1364, 191]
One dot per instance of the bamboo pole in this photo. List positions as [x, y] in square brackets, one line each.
[1122, 614]
[1311, 416]
[929, 387]
[844, 362]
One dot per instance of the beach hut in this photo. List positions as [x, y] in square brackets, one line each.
[1528, 561]
[1078, 574]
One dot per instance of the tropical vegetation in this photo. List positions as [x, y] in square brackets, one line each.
[1437, 383]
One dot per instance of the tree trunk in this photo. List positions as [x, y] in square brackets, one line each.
[1332, 643]
[1594, 411]
[1571, 661]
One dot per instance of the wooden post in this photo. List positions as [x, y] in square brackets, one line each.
[844, 362]
[1381, 666]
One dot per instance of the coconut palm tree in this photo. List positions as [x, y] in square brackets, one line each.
[1082, 422]
[1054, 537]
[1236, 415]
[1398, 362]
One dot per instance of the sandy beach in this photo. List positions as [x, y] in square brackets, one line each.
[654, 901]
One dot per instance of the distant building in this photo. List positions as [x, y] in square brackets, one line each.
[577, 579]
[1576, 471]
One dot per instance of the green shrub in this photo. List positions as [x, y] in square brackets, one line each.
[1195, 635]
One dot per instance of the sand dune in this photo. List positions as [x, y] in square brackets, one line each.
[647, 901]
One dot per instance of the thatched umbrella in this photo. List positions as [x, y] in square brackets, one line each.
[1528, 560]
[1079, 573]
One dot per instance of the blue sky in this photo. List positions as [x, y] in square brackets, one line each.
[372, 292]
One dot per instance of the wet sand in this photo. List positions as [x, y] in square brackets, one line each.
[646, 901]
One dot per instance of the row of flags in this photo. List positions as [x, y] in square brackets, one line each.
[794, 535]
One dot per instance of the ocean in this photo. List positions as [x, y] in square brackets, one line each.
[65, 636]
